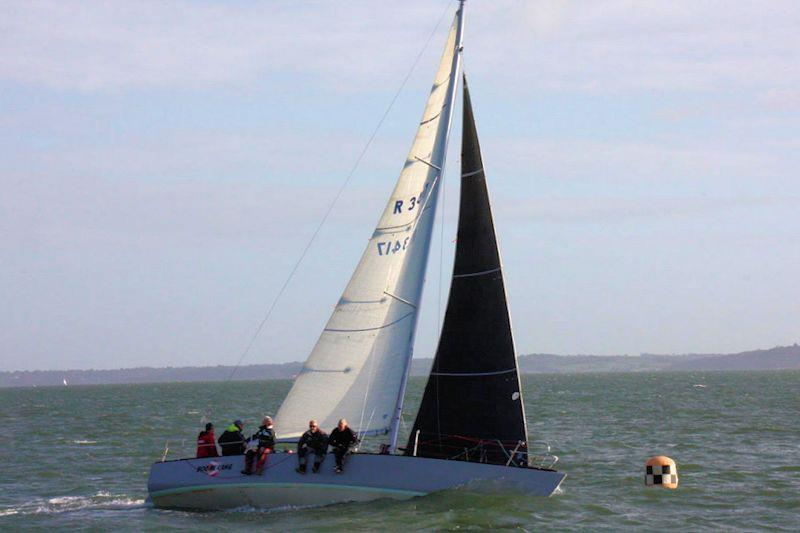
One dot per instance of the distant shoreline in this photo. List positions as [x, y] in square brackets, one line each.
[778, 358]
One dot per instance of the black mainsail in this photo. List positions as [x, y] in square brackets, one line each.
[472, 406]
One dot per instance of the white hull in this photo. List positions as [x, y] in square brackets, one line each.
[216, 484]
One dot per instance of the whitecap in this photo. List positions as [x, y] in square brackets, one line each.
[63, 500]
[121, 503]
[84, 442]
[280, 509]
[102, 500]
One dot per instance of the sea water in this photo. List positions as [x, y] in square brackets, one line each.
[78, 457]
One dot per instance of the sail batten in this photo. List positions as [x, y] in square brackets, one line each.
[470, 374]
[472, 405]
[362, 354]
[481, 273]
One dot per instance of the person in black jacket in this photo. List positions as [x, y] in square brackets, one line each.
[262, 443]
[342, 440]
[232, 441]
[314, 440]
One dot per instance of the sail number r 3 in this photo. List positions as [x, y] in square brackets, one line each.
[398, 205]
[392, 247]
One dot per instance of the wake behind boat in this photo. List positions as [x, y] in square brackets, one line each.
[471, 426]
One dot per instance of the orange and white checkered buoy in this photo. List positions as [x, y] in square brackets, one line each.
[661, 471]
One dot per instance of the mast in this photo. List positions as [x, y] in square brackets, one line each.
[450, 101]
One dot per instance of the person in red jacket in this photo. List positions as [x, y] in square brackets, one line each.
[206, 445]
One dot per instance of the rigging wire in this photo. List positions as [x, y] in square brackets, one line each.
[336, 197]
[441, 257]
[439, 302]
[366, 392]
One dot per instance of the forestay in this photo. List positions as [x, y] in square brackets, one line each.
[358, 367]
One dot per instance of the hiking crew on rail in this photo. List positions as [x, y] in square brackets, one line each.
[261, 444]
[314, 440]
[342, 440]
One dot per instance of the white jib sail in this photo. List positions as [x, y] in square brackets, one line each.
[358, 366]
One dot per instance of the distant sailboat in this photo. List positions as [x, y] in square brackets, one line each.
[471, 423]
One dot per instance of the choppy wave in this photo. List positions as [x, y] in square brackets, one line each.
[249, 509]
[66, 504]
[603, 426]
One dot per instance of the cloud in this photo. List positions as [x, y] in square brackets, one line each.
[617, 46]
[582, 210]
[647, 165]
[780, 99]
[104, 214]
[174, 156]
[603, 46]
[97, 45]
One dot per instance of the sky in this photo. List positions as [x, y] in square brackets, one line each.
[163, 165]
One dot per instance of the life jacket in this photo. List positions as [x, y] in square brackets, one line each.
[205, 445]
[265, 437]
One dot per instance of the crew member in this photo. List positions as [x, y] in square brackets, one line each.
[206, 446]
[314, 440]
[232, 441]
[342, 440]
[262, 444]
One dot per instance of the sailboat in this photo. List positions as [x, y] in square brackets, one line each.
[470, 428]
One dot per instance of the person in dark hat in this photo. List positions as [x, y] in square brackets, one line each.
[206, 446]
[232, 441]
